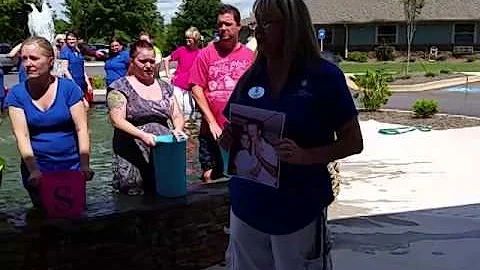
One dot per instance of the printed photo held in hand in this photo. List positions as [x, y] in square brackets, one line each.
[252, 155]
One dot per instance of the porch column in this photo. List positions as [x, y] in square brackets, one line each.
[346, 41]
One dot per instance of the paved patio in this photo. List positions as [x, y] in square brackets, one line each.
[409, 201]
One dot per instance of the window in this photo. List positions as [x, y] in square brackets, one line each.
[464, 33]
[386, 34]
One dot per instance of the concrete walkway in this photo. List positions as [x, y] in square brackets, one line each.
[409, 201]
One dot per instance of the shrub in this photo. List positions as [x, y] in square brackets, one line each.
[430, 74]
[3, 167]
[404, 77]
[425, 108]
[374, 89]
[385, 53]
[442, 58]
[389, 78]
[98, 82]
[358, 57]
[471, 59]
[445, 71]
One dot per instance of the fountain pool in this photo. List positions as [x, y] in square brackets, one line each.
[12, 193]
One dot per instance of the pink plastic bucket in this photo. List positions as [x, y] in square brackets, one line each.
[63, 193]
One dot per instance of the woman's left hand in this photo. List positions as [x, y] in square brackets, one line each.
[87, 173]
[288, 151]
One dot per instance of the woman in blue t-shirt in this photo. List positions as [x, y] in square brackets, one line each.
[75, 64]
[285, 228]
[48, 119]
[2, 90]
[15, 53]
[116, 65]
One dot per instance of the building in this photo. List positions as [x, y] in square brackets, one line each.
[361, 25]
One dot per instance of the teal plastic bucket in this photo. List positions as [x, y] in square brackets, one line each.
[170, 162]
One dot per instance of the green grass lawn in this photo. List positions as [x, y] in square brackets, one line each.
[398, 67]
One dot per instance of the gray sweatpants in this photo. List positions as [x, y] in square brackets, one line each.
[250, 249]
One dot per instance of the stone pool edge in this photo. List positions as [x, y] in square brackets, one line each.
[153, 233]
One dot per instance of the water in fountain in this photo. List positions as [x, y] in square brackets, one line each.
[40, 23]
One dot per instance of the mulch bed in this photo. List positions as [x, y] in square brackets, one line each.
[420, 78]
[438, 122]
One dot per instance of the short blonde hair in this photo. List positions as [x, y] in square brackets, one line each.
[193, 32]
[60, 36]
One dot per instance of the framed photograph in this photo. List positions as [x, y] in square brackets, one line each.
[252, 155]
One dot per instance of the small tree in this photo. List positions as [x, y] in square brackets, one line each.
[412, 8]
[374, 89]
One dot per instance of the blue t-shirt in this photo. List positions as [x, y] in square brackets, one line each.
[116, 66]
[76, 65]
[22, 72]
[2, 84]
[316, 101]
[52, 132]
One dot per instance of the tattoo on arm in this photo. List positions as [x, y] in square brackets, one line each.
[115, 100]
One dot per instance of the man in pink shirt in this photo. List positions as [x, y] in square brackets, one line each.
[214, 75]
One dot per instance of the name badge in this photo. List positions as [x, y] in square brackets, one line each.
[256, 92]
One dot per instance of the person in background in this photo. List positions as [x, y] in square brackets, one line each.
[15, 53]
[74, 64]
[59, 65]
[158, 54]
[88, 51]
[252, 44]
[245, 161]
[213, 76]
[184, 56]
[2, 89]
[265, 154]
[48, 119]
[285, 228]
[139, 108]
[60, 41]
[116, 65]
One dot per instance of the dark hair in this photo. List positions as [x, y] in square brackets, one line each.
[250, 148]
[145, 33]
[71, 33]
[116, 39]
[226, 8]
[258, 124]
[140, 44]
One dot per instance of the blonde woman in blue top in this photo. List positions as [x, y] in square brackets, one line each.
[48, 119]
[285, 228]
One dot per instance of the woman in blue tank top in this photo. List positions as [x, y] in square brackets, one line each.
[48, 119]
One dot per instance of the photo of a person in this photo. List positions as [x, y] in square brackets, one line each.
[246, 163]
[253, 156]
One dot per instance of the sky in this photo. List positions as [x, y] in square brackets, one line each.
[168, 7]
